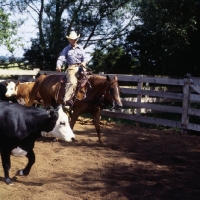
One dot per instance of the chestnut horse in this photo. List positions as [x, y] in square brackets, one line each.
[98, 92]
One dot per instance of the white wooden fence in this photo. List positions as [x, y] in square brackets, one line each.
[146, 95]
[150, 94]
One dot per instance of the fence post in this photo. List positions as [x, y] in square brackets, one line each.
[186, 104]
[139, 97]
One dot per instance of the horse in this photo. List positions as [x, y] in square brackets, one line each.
[97, 93]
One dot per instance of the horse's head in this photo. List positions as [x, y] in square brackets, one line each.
[112, 94]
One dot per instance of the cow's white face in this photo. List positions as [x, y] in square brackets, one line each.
[11, 89]
[62, 130]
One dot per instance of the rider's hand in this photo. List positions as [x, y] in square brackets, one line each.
[58, 69]
[83, 64]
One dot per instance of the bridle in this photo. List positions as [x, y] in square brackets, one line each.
[99, 99]
[110, 90]
[62, 80]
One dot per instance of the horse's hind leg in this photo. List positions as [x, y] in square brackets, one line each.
[96, 118]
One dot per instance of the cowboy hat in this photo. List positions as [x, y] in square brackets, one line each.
[73, 35]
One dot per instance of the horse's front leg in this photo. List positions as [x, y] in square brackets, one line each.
[5, 158]
[96, 119]
[73, 118]
[31, 160]
[26, 101]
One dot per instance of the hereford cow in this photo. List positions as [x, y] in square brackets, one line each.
[3, 90]
[21, 91]
[21, 126]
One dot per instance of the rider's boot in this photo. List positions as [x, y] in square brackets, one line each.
[67, 101]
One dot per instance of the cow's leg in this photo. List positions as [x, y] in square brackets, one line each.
[31, 160]
[5, 157]
[96, 118]
[27, 145]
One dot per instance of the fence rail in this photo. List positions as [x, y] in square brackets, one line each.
[142, 95]
[149, 94]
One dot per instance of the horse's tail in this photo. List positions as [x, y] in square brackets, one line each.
[35, 89]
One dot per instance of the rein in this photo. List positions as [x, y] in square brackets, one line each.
[57, 93]
[79, 89]
[58, 90]
[99, 99]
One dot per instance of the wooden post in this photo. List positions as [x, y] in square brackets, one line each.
[186, 104]
[139, 97]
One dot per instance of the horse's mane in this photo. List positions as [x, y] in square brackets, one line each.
[97, 79]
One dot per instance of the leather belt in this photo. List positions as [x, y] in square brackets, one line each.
[75, 64]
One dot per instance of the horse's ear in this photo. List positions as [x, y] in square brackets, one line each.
[115, 78]
[108, 78]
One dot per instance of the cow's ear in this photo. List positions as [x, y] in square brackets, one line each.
[17, 83]
[50, 110]
[6, 83]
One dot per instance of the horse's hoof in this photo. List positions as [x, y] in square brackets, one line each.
[19, 173]
[8, 181]
[101, 141]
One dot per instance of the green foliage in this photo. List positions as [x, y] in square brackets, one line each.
[98, 22]
[8, 30]
[138, 37]
[112, 60]
[5, 27]
[166, 41]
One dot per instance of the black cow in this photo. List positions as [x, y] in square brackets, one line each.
[26, 78]
[3, 90]
[29, 78]
[21, 126]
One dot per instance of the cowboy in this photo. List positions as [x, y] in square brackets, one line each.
[74, 55]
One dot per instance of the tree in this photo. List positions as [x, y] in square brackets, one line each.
[100, 23]
[167, 39]
[112, 60]
[8, 30]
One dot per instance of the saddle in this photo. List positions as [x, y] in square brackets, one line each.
[82, 77]
[80, 91]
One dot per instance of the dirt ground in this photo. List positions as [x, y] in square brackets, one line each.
[134, 163]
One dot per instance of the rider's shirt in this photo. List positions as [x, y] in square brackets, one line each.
[72, 55]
